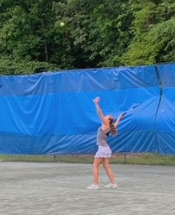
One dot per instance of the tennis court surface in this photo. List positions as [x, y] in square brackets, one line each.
[60, 189]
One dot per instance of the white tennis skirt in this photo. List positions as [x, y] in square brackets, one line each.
[103, 152]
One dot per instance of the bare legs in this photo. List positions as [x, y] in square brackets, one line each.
[106, 165]
[96, 165]
[108, 170]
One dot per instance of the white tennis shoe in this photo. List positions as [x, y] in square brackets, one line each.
[113, 186]
[93, 187]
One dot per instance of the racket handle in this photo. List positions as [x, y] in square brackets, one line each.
[123, 114]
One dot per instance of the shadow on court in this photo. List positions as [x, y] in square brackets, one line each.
[60, 189]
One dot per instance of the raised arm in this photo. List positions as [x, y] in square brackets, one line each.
[118, 120]
[99, 111]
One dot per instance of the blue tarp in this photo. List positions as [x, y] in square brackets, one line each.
[53, 112]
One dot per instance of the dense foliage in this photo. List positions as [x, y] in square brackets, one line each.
[97, 33]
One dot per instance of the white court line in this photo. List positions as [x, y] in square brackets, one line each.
[112, 191]
[146, 193]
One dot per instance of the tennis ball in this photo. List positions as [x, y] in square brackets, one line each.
[62, 24]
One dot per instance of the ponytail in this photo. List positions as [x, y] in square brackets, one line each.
[113, 129]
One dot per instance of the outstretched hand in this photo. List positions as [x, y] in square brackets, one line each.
[121, 116]
[96, 100]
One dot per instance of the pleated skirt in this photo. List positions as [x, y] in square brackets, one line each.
[103, 152]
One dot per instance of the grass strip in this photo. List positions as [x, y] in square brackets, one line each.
[137, 159]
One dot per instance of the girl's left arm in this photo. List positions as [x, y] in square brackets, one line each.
[118, 120]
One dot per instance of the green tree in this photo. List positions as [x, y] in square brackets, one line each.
[29, 36]
[153, 27]
[97, 33]
[98, 30]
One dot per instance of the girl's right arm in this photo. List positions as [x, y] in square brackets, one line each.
[99, 111]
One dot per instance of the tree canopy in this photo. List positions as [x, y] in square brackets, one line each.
[96, 33]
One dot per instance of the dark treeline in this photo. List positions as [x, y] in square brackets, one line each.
[96, 33]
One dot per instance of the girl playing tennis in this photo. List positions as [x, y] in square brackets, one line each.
[104, 152]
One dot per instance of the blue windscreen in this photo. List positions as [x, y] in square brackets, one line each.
[54, 113]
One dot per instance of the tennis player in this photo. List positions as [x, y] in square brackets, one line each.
[104, 152]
